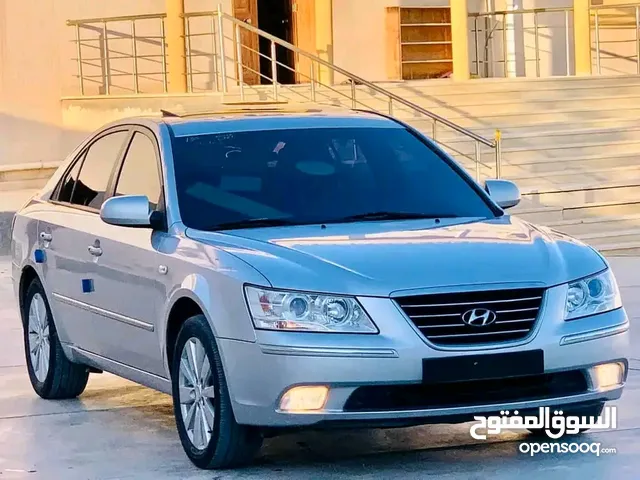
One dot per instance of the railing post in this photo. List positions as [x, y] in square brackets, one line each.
[597, 23]
[567, 41]
[312, 80]
[390, 106]
[163, 48]
[486, 66]
[79, 53]
[498, 140]
[105, 46]
[274, 70]
[505, 52]
[223, 57]
[477, 44]
[354, 103]
[238, 40]
[434, 130]
[477, 161]
[638, 38]
[536, 42]
[214, 52]
[134, 53]
[187, 34]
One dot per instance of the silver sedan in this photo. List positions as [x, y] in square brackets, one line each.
[278, 270]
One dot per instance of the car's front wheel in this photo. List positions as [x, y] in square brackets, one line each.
[51, 373]
[208, 431]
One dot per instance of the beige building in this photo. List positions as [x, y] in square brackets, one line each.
[42, 62]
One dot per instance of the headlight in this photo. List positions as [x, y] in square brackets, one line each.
[588, 296]
[309, 312]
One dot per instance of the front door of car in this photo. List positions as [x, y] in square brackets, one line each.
[128, 270]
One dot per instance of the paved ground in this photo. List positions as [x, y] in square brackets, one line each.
[120, 430]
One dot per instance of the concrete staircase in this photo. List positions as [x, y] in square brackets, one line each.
[571, 144]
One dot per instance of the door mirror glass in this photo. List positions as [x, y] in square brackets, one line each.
[127, 211]
[505, 193]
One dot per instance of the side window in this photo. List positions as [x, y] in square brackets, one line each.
[66, 187]
[96, 170]
[139, 174]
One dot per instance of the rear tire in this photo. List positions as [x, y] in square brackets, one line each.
[209, 433]
[51, 373]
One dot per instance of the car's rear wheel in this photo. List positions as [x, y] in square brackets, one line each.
[208, 431]
[594, 410]
[51, 373]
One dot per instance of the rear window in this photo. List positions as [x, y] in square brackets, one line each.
[316, 175]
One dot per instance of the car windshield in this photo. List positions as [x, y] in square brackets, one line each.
[316, 175]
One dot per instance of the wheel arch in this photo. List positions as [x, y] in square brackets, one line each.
[27, 276]
[183, 307]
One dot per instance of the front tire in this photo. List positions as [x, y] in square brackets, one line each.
[51, 373]
[209, 433]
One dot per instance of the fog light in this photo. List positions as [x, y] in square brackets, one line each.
[304, 399]
[608, 375]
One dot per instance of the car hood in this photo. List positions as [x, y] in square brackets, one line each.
[382, 258]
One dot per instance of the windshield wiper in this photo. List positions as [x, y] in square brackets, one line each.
[253, 223]
[388, 215]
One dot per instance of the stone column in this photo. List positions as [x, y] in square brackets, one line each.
[460, 39]
[176, 51]
[582, 37]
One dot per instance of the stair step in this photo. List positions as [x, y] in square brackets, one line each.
[614, 236]
[12, 200]
[27, 171]
[596, 224]
[572, 177]
[27, 184]
[548, 214]
[630, 248]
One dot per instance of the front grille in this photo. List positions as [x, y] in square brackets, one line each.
[440, 316]
[470, 393]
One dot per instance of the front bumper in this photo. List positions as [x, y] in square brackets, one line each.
[258, 374]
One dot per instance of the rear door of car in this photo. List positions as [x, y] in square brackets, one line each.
[66, 234]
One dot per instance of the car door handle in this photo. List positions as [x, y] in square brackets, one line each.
[46, 237]
[95, 251]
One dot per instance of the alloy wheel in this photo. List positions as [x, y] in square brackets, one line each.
[197, 393]
[39, 337]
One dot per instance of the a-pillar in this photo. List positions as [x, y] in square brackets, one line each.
[460, 39]
[582, 36]
[176, 56]
[324, 38]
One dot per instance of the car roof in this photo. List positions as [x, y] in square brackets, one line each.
[242, 118]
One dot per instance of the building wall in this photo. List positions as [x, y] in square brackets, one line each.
[358, 34]
[37, 65]
[37, 68]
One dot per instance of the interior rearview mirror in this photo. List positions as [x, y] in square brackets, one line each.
[127, 211]
[505, 193]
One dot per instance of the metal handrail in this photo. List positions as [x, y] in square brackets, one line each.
[122, 18]
[520, 11]
[357, 79]
[220, 76]
[596, 11]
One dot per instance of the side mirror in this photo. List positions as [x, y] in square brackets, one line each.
[505, 193]
[127, 211]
